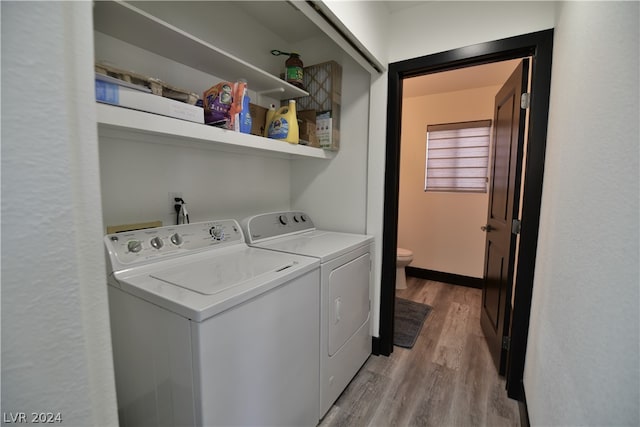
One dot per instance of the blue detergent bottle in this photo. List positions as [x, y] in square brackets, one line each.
[245, 115]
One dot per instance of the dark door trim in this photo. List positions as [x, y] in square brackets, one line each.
[539, 46]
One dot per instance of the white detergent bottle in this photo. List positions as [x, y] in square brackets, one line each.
[284, 125]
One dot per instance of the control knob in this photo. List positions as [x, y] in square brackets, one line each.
[134, 246]
[283, 219]
[216, 232]
[157, 242]
[176, 239]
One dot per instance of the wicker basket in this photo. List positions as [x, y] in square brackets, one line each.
[324, 84]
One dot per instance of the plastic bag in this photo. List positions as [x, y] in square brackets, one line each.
[222, 103]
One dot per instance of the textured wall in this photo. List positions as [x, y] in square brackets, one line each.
[582, 358]
[437, 26]
[56, 348]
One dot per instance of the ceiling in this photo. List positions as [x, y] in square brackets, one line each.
[395, 6]
[462, 79]
[284, 20]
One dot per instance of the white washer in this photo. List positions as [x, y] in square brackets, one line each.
[208, 331]
[345, 279]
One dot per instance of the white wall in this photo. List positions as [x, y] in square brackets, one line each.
[442, 229]
[136, 178]
[335, 192]
[437, 26]
[582, 358]
[375, 184]
[56, 347]
[366, 21]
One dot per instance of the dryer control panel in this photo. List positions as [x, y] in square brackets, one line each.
[276, 224]
[135, 247]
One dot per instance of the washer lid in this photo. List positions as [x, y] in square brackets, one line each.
[204, 284]
[217, 274]
[325, 245]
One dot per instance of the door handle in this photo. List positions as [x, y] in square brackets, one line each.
[487, 228]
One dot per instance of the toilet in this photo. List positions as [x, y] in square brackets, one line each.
[403, 258]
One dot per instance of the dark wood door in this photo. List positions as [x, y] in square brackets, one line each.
[504, 193]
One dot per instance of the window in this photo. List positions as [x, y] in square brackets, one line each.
[457, 157]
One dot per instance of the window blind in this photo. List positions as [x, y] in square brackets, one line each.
[458, 156]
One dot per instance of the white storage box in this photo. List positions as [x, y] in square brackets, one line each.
[115, 94]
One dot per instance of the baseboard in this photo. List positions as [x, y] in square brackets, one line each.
[375, 346]
[524, 410]
[438, 276]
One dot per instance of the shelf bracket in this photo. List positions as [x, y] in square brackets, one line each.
[268, 91]
[277, 89]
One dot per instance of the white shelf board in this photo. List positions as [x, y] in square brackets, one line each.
[125, 123]
[132, 25]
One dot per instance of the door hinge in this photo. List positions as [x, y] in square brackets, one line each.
[525, 100]
[515, 226]
[506, 343]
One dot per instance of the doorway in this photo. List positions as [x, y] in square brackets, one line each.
[443, 190]
[539, 47]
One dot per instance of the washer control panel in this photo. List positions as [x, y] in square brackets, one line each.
[131, 247]
[275, 224]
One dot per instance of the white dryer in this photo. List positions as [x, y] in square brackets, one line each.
[345, 281]
[208, 331]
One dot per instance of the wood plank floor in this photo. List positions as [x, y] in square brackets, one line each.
[446, 379]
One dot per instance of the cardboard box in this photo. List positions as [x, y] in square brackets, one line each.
[328, 136]
[307, 126]
[307, 115]
[258, 119]
[308, 133]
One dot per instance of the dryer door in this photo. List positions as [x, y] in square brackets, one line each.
[349, 300]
